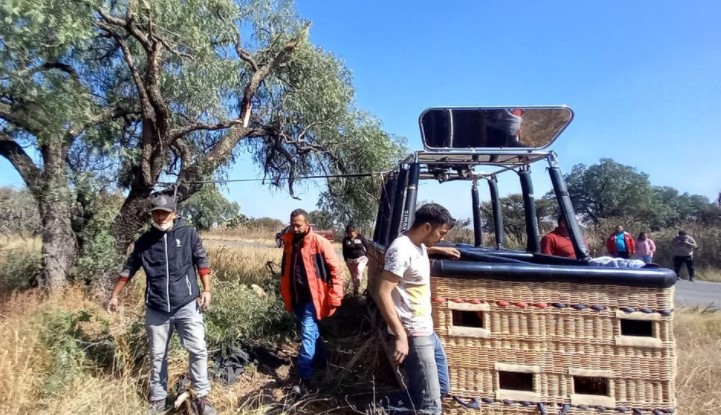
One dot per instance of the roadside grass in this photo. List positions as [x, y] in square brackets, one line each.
[705, 274]
[241, 233]
[698, 342]
[68, 356]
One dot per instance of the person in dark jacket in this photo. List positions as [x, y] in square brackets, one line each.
[354, 254]
[172, 256]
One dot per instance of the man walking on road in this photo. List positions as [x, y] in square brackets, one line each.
[683, 246]
[172, 256]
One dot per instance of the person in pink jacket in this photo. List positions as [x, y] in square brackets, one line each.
[645, 248]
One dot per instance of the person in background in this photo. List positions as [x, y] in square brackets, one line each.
[404, 300]
[683, 246]
[354, 253]
[558, 241]
[311, 285]
[620, 244]
[172, 256]
[645, 248]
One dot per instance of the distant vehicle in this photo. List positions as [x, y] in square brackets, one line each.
[328, 234]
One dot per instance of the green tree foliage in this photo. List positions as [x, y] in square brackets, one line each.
[321, 219]
[514, 218]
[265, 224]
[208, 207]
[609, 189]
[124, 94]
[612, 190]
[365, 149]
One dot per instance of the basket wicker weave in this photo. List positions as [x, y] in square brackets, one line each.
[555, 335]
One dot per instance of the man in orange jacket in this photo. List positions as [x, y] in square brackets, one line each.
[311, 286]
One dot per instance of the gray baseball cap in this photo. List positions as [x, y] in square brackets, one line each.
[163, 202]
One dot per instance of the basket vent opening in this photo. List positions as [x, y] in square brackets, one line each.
[592, 386]
[462, 318]
[639, 328]
[516, 381]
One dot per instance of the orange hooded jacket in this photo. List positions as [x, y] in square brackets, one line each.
[322, 268]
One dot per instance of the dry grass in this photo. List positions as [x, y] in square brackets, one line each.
[245, 234]
[25, 361]
[698, 341]
[20, 242]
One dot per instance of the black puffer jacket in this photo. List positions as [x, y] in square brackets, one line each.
[170, 260]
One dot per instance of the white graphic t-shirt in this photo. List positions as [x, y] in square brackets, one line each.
[412, 296]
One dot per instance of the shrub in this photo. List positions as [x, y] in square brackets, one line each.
[239, 314]
[20, 269]
[59, 332]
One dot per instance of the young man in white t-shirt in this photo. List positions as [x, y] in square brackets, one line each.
[404, 299]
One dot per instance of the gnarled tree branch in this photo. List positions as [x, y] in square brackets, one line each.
[22, 162]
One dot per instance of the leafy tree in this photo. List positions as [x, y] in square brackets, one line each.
[610, 189]
[366, 148]
[265, 224]
[514, 217]
[47, 104]
[613, 190]
[321, 219]
[208, 207]
[102, 95]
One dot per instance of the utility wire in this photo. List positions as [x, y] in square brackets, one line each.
[322, 176]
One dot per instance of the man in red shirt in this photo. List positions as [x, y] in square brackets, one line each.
[558, 242]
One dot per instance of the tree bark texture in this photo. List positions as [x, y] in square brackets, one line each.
[55, 205]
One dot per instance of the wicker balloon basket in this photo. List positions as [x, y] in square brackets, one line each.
[556, 348]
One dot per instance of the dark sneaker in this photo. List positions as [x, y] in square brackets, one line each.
[204, 407]
[156, 407]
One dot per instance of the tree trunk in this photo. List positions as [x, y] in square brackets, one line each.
[55, 205]
[59, 247]
[132, 217]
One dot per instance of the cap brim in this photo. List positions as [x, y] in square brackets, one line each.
[165, 209]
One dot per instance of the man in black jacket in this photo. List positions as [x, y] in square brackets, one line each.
[354, 254]
[172, 256]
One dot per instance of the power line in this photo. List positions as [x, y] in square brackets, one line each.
[322, 176]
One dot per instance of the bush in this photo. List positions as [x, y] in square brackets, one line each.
[59, 332]
[239, 314]
[20, 269]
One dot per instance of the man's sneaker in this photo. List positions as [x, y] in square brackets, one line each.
[156, 407]
[204, 407]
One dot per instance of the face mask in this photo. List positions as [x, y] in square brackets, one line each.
[165, 227]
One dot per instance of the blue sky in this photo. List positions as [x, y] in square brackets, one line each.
[643, 78]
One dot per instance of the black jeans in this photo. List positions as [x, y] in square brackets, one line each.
[678, 261]
[622, 254]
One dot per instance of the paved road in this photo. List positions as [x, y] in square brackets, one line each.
[699, 293]
[689, 294]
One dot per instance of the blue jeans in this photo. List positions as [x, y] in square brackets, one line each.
[191, 329]
[646, 258]
[427, 373]
[311, 347]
